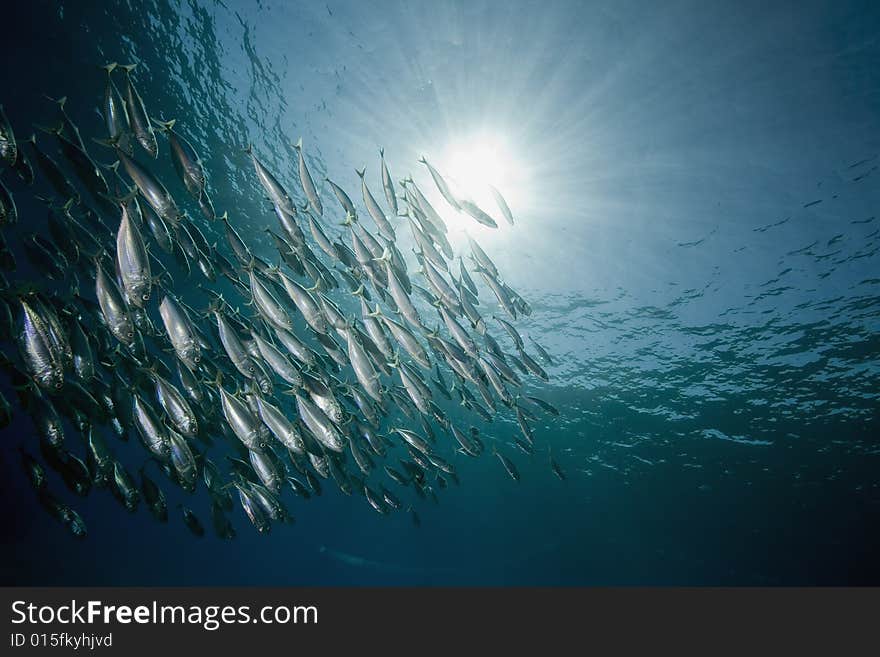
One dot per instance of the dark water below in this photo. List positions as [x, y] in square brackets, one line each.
[697, 232]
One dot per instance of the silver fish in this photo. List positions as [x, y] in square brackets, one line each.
[277, 194]
[158, 229]
[385, 228]
[8, 145]
[269, 306]
[344, 200]
[233, 346]
[502, 205]
[266, 470]
[279, 363]
[182, 460]
[305, 303]
[477, 213]
[442, 186]
[137, 114]
[296, 347]
[132, 261]
[401, 299]
[35, 345]
[406, 339]
[253, 509]
[500, 293]
[320, 425]
[481, 258]
[83, 358]
[307, 183]
[115, 114]
[241, 420]
[387, 184]
[175, 406]
[186, 161]
[113, 308]
[151, 430]
[363, 367]
[153, 191]
[284, 430]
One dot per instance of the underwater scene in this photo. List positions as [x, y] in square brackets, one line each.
[452, 293]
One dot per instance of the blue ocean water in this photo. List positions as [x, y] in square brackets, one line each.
[696, 190]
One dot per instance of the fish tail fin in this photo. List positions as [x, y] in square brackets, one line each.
[110, 167]
[349, 219]
[218, 379]
[59, 101]
[157, 279]
[361, 172]
[128, 68]
[52, 131]
[299, 144]
[422, 160]
[249, 149]
[112, 142]
[68, 204]
[110, 67]
[385, 257]
[164, 126]
[120, 200]
[359, 292]
[375, 313]
[214, 305]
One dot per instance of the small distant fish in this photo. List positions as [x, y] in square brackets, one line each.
[193, 524]
[508, 465]
[557, 470]
[502, 205]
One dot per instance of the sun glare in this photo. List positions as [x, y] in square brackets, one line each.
[472, 167]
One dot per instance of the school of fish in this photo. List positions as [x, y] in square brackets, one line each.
[332, 362]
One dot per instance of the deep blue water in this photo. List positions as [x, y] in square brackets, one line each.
[715, 331]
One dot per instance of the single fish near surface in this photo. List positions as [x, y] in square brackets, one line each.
[442, 185]
[186, 161]
[388, 184]
[137, 115]
[502, 205]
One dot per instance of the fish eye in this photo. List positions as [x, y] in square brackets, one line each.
[58, 384]
[145, 297]
[130, 334]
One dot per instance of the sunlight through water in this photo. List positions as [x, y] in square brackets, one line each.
[472, 166]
